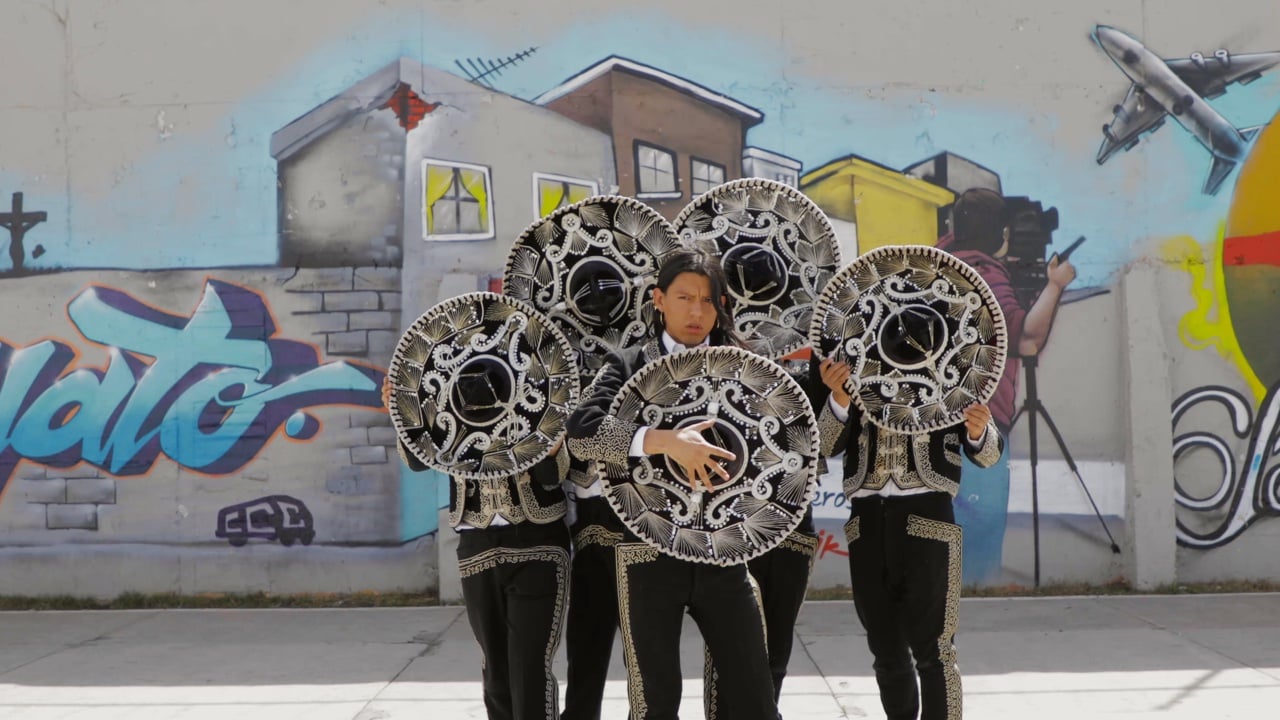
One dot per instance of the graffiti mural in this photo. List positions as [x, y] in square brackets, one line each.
[18, 221]
[1238, 295]
[274, 518]
[207, 391]
[1179, 88]
[317, 195]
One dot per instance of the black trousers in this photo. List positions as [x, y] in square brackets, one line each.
[654, 592]
[593, 608]
[782, 579]
[904, 566]
[515, 582]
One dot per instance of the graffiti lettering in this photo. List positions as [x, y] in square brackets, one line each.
[829, 543]
[827, 498]
[208, 391]
[1245, 493]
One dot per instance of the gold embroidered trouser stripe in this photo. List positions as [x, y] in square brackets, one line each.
[490, 559]
[629, 554]
[952, 535]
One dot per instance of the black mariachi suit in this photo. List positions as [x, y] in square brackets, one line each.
[782, 579]
[655, 589]
[593, 604]
[515, 582]
[905, 554]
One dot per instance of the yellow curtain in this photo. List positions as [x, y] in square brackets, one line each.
[550, 196]
[473, 183]
[578, 192]
[439, 180]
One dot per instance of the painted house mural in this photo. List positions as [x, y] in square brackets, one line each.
[210, 263]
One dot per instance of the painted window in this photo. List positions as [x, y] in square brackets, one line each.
[655, 172]
[456, 202]
[705, 174]
[553, 191]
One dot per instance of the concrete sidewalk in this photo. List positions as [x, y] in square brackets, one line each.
[1195, 656]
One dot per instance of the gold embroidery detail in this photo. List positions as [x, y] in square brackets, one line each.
[951, 448]
[496, 499]
[490, 559]
[953, 536]
[711, 691]
[652, 350]
[596, 535]
[797, 541]
[460, 502]
[891, 463]
[611, 442]
[537, 513]
[852, 530]
[631, 554]
[935, 479]
[829, 430]
[853, 482]
[989, 453]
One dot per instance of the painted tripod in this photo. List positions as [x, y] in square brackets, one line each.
[1033, 408]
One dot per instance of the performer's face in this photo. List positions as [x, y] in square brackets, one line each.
[687, 308]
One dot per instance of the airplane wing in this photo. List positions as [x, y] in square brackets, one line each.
[1210, 76]
[1138, 113]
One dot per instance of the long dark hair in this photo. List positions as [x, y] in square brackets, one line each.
[688, 260]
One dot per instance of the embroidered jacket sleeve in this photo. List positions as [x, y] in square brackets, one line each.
[986, 454]
[594, 434]
[836, 436]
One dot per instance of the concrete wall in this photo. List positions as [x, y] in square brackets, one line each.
[140, 138]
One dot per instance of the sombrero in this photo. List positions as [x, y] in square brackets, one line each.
[588, 267]
[761, 415]
[922, 331]
[778, 251]
[482, 386]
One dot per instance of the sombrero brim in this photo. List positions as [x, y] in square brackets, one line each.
[858, 303]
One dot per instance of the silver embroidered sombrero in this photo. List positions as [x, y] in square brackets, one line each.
[482, 386]
[922, 331]
[761, 415]
[778, 251]
[589, 266]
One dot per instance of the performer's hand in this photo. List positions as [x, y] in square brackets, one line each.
[698, 458]
[556, 448]
[834, 375]
[976, 417]
[386, 391]
[1060, 273]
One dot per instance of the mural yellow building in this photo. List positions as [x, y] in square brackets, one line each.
[886, 206]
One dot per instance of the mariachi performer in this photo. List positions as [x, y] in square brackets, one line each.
[697, 507]
[589, 267]
[479, 388]
[778, 251]
[913, 345]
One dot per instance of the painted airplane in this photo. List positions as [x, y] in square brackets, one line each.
[1179, 88]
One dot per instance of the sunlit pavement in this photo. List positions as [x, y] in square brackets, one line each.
[1191, 656]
